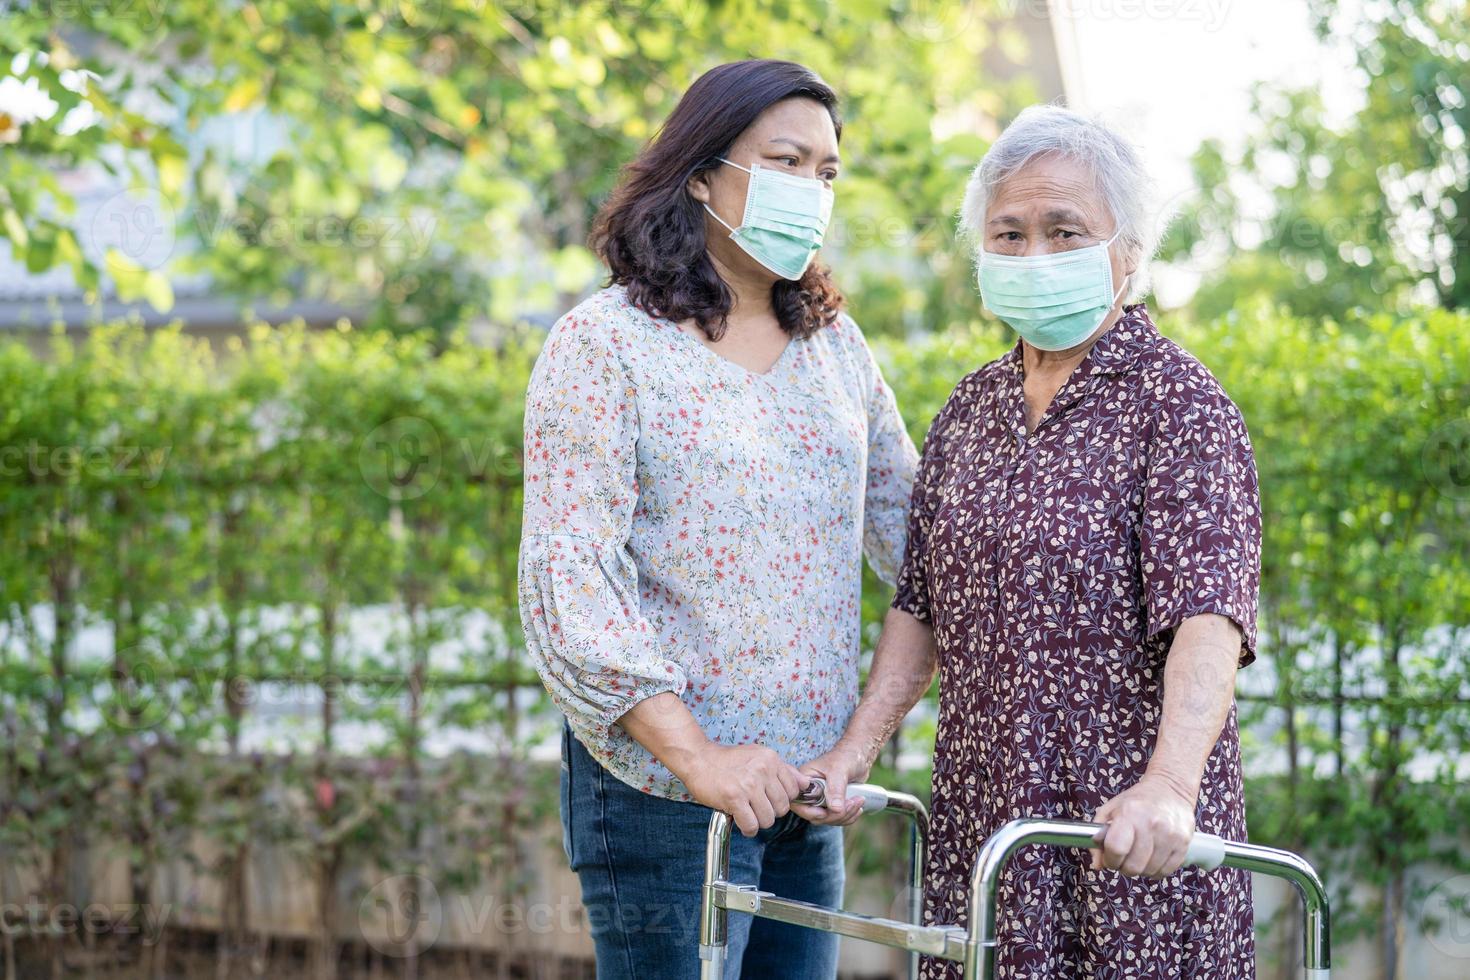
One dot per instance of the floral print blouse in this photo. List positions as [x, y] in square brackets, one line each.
[1054, 567]
[695, 527]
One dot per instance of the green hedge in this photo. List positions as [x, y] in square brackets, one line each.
[219, 517]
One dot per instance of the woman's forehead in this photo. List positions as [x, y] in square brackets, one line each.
[1050, 188]
[804, 121]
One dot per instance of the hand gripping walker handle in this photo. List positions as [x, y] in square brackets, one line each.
[875, 798]
[1206, 851]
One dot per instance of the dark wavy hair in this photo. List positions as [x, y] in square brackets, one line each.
[651, 230]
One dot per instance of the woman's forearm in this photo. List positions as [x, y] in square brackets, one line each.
[664, 725]
[903, 668]
[1199, 687]
[752, 783]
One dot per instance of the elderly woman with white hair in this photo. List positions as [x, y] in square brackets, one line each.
[1082, 568]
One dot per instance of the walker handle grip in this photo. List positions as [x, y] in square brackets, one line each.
[874, 798]
[1205, 851]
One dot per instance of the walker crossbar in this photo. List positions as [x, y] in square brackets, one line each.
[975, 949]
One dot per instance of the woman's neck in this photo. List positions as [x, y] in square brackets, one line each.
[752, 292]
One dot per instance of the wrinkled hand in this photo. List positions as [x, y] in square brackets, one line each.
[838, 767]
[750, 782]
[1149, 827]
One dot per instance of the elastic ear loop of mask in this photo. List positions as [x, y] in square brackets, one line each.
[712, 210]
[1126, 275]
[717, 217]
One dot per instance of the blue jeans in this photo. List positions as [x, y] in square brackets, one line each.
[640, 859]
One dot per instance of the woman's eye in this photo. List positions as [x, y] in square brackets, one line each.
[829, 175]
[1064, 233]
[789, 161]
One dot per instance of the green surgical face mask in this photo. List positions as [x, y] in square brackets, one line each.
[784, 221]
[1053, 301]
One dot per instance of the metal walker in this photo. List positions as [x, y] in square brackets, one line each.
[974, 949]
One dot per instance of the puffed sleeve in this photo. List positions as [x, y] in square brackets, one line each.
[892, 460]
[913, 582]
[1201, 534]
[595, 652]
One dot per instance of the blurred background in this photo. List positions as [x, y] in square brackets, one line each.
[273, 274]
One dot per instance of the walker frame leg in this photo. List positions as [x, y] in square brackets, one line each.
[714, 920]
[719, 895]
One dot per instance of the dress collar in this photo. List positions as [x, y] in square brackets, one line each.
[1115, 352]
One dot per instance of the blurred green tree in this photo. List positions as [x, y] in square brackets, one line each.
[436, 163]
[1325, 216]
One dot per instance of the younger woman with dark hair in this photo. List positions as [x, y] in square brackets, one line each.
[710, 451]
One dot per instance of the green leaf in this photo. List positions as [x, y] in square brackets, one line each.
[127, 276]
[14, 227]
[158, 291]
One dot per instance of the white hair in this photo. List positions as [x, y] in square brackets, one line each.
[1122, 181]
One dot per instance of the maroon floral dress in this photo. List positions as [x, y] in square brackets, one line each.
[1054, 567]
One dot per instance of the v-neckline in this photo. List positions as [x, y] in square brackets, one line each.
[765, 375]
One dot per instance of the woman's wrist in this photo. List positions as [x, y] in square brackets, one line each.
[1184, 787]
[859, 753]
[683, 758]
